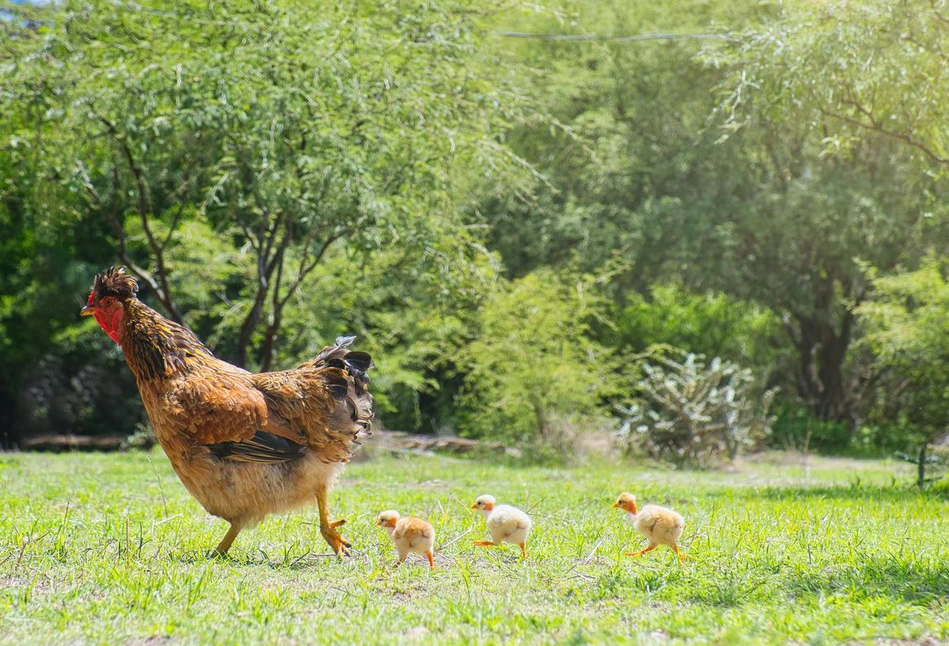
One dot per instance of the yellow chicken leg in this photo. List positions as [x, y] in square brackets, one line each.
[431, 560]
[328, 527]
[225, 544]
[485, 544]
[682, 555]
[523, 550]
[649, 548]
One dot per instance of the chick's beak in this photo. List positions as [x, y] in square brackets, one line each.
[474, 506]
[86, 311]
[616, 504]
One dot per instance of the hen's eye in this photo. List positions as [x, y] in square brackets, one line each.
[108, 301]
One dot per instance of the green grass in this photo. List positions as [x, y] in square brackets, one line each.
[111, 549]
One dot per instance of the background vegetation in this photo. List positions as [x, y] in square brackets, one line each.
[511, 225]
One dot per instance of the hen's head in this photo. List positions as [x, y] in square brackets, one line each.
[111, 290]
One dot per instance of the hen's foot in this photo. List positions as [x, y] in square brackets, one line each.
[339, 544]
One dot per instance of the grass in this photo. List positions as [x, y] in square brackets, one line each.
[111, 549]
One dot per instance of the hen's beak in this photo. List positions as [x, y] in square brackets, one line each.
[86, 311]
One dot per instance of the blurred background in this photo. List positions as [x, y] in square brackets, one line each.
[683, 229]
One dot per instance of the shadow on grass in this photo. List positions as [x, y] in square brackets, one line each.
[856, 491]
[897, 581]
[914, 582]
[261, 559]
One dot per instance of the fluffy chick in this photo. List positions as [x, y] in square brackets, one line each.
[409, 535]
[507, 524]
[660, 525]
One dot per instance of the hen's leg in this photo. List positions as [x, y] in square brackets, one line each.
[225, 544]
[328, 527]
[648, 548]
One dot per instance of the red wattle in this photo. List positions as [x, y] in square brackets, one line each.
[110, 324]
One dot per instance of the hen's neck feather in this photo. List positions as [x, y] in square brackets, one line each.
[156, 348]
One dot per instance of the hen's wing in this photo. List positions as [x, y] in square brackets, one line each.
[222, 411]
[326, 400]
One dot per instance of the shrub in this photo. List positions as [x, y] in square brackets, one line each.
[533, 372]
[694, 412]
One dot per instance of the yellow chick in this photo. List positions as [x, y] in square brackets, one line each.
[409, 535]
[507, 524]
[660, 525]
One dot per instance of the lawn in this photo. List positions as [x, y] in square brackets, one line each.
[111, 549]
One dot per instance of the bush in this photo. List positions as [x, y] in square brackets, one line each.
[796, 429]
[534, 374]
[708, 323]
[693, 413]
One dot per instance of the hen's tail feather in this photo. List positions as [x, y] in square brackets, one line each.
[349, 368]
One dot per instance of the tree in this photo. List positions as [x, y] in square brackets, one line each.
[282, 134]
[533, 369]
[737, 195]
[906, 329]
[855, 70]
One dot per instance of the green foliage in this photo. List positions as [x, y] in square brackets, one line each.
[857, 70]
[794, 428]
[711, 324]
[281, 173]
[226, 152]
[695, 412]
[906, 324]
[533, 371]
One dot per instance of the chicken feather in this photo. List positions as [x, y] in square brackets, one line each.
[244, 445]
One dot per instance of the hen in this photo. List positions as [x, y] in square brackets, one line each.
[245, 445]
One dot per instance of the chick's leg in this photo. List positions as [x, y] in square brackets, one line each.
[485, 544]
[328, 527]
[648, 548]
[431, 560]
[682, 555]
[524, 550]
[225, 543]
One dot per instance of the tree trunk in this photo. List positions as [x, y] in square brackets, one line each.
[822, 351]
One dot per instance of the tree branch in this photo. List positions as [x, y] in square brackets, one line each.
[144, 211]
[873, 126]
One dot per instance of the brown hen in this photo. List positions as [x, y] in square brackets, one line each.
[245, 445]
